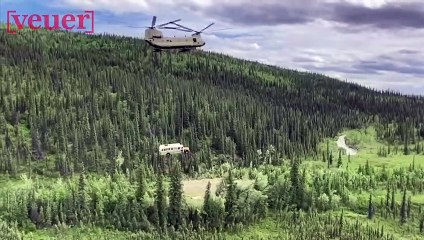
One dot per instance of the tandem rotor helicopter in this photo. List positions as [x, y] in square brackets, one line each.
[155, 38]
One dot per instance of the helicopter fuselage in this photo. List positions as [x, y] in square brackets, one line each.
[155, 39]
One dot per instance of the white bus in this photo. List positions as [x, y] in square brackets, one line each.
[174, 148]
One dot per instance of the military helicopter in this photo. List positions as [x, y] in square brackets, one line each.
[155, 38]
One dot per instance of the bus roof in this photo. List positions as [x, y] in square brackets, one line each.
[171, 145]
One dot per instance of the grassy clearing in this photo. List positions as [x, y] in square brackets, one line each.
[196, 188]
[365, 140]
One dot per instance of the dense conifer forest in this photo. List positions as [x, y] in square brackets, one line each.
[82, 116]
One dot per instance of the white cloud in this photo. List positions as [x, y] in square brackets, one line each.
[367, 3]
[118, 7]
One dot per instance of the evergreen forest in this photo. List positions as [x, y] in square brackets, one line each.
[82, 117]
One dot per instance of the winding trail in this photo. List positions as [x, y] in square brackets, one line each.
[341, 143]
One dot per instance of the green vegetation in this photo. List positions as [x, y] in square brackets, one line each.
[256, 199]
[82, 117]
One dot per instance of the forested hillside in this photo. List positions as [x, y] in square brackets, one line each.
[79, 100]
[82, 117]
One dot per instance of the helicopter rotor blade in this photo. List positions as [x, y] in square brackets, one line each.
[205, 28]
[222, 29]
[215, 31]
[179, 29]
[181, 26]
[171, 22]
[184, 30]
[137, 27]
[153, 21]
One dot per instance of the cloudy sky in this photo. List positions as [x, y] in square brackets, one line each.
[379, 43]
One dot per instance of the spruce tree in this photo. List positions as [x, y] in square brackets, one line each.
[403, 209]
[388, 196]
[330, 160]
[408, 207]
[339, 161]
[36, 145]
[82, 195]
[341, 221]
[392, 202]
[328, 149]
[230, 200]
[160, 201]
[405, 144]
[295, 185]
[370, 208]
[175, 198]
[206, 203]
[142, 184]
